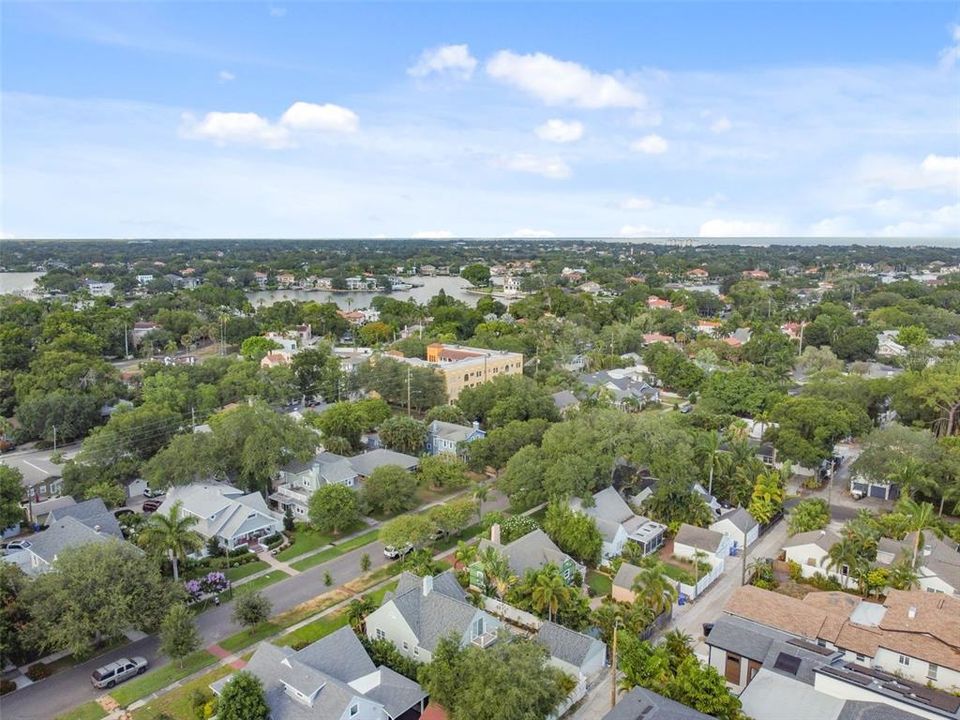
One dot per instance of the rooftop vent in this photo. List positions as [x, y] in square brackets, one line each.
[911, 612]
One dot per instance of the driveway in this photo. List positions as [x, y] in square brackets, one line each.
[47, 699]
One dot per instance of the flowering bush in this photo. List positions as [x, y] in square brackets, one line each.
[214, 582]
[193, 588]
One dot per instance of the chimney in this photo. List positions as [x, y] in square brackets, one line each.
[427, 585]
[96, 528]
[911, 612]
[476, 425]
[495, 533]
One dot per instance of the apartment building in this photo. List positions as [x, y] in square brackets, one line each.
[464, 367]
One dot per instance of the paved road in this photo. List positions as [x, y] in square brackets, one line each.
[49, 698]
[65, 690]
[35, 464]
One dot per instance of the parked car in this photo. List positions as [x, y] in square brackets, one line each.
[123, 669]
[152, 505]
[394, 552]
[151, 493]
[14, 545]
[438, 534]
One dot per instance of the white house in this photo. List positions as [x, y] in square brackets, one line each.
[810, 550]
[617, 523]
[712, 546]
[422, 611]
[887, 345]
[332, 678]
[232, 516]
[938, 561]
[572, 652]
[736, 524]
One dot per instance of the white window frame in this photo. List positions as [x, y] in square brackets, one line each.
[932, 670]
[904, 660]
[380, 634]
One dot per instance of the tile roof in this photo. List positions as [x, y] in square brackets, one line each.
[565, 644]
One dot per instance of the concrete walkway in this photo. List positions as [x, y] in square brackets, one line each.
[275, 564]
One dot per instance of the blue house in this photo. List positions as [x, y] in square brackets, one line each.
[445, 437]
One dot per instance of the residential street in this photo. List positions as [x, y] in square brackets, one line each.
[47, 699]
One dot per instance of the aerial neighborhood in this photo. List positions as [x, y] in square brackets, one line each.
[374, 480]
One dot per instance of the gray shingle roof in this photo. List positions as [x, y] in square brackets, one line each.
[565, 644]
[824, 539]
[564, 399]
[741, 519]
[445, 583]
[366, 463]
[62, 534]
[642, 704]
[529, 552]
[434, 615]
[324, 671]
[862, 710]
[626, 575]
[92, 513]
[700, 538]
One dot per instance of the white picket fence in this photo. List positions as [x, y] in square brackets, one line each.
[572, 699]
[694, 591]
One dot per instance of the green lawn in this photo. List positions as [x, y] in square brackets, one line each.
[176, 703]
[157, 679]
[305, 540]
[601, 584]
[451, 541]
[87, 711]
[336, 551]
[323, 626]
[676, 573]
[261, 582]
[242, 571]
[238, 641]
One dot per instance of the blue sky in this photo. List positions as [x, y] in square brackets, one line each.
[452, 119]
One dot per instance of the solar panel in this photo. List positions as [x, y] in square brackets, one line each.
[787, 663]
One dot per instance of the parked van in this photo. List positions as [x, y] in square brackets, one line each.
[115, 672]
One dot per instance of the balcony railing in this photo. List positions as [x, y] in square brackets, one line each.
[485, 640]
[295, 494]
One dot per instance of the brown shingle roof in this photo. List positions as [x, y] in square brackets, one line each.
[936, 614]
[775, 610]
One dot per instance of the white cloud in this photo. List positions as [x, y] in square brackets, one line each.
[942, 222]
[234, 127]
[643, 231]
[637, 203]
[935, 171]
[225, 76]
[837, 227]
[531, 233]
[560, 131]
[433, 235]
[650, 145]
[560, 82]
[739, 228]
[949, 56]
[278, 12]
[549, 167]
[721, 125]
[324, 118]
[448, 59]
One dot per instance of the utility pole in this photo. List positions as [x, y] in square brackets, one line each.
[802, 325]
[408, 391]
[743, 562]
[126, 345]
[54, 438]
[613, 667]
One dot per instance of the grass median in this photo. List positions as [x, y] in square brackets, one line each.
[88, 711]
[336, 551]
[176, 703]
[160, 678]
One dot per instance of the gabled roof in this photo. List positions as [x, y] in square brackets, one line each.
[62, 534]
[93, 513]
[451, 431]
[565, 644]
[700, 538]
[529, 552]
[741, 519]
[564, 399]
[340, 654]
[431, 614]
[643, 704]
[221, 509]
[824, 539]
[366, 463]
[626, 575]
[608, 505]
[445, 583]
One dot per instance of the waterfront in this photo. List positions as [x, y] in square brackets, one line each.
[18, 283]
[453, 285]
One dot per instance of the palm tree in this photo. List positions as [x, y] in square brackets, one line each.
[653, 589]
[357, 612]
[549, 591]
[465, 554]
[480, 493]
[709, 447]
[920, 516]
[172, 534]
[911, 475]
[843, 556]
[497, 571]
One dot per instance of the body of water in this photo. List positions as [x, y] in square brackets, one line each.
[453, 285]
[19, 283]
